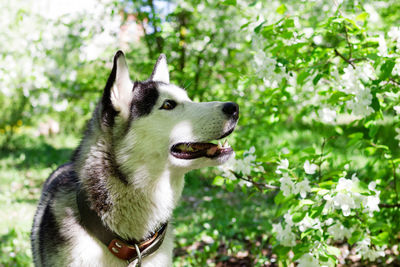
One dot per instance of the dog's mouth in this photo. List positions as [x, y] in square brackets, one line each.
[198, 150]
[193, 150]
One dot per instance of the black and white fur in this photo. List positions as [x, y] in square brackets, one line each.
[124, 163]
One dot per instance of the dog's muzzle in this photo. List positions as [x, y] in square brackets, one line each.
[193, 150]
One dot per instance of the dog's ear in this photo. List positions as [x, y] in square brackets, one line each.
[118, 91]
[160, 72]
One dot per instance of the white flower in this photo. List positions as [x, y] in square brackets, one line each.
[287, 186]
[367, 73]
[288, 219]
[252, 150]
[397, 137]
[308, 222]
[396, 68]
[339, 232]
[308, 32]
[283, 164]
[284, 235]
[397, 109]
[302, 187]
[350, 83]
[318, 39]
[310, 168]
[264, 65]
[363, 248]
[354, 178]
[307, 260]
[372, 255]
[345, 202]
[329, 221]
[344, 184]
[372, 204]
[329, 205]
[394, 34]
[327, 115]
[372, 186]
[61, 106]
[382, 46]
[285, 150]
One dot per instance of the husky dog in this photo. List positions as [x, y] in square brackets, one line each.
[110, 206]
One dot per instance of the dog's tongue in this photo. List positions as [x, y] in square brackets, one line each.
[212, 150]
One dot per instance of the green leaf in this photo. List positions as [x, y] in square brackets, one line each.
[338, 96]
[245, 25]
[281, 9]
[288, 23]
[362, 17]
[355, 138]
[338, 130]
[306, 233]
[259, 27]
[230, 187]
[298, 216]
[279, 198]
[323, 258]
[323, 192]
[317, 78]
[386, 69]
[356, 236]
[219, 180]
[381, 239]
[302, 76]
[317, 212]
[327, 184]
[375, 103]
[333, 251]
[370, 150]
[229, 2]
[267, 30]
[281, 250]
[306, 202]
[382, 147]
[373, 130]
[299, 250]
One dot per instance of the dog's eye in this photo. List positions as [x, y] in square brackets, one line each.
[168, 105]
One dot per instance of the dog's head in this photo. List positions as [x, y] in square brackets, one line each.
[155, 123]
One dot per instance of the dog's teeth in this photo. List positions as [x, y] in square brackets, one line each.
[211, 151]
[225, 143]
[219, 144]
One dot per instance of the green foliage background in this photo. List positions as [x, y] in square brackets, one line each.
[316, 81]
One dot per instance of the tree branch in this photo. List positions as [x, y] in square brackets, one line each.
[394, 81]
[383, 205]
[395, 181]
[259, 186]
[157, 36]
[344, 58]
[320, 158]
[348, 42]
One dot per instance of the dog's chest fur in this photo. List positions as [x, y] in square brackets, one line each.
[135, 209]
[83, 250]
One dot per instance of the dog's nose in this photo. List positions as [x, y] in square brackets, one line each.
[231, 109]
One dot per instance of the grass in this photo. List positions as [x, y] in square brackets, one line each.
[214, 227]
[23, 169]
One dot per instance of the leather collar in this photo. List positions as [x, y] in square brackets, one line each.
[128, 250]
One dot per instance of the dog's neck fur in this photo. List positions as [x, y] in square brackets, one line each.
[135, 205]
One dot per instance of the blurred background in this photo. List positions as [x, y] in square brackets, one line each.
[316, 81]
